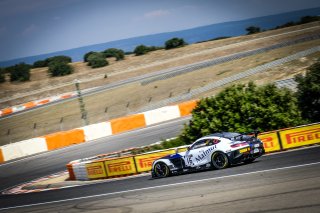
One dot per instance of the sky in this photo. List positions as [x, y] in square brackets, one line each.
[33, 27]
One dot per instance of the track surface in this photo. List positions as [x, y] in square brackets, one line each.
[286, 182]
[23, 170]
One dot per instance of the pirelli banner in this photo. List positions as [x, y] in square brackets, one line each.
[96, 170]
[300, 136]
[270, 141]
[120, 166]
[144, 161]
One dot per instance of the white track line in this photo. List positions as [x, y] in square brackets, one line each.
[162, 186]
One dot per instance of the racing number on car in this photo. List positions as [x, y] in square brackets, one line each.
[189, 160]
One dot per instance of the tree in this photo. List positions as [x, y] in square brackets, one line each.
[2, 75]
[96, 60]
[20, 72]
[59, 68]
[141, 50]
[40, 63]
[85, 57]
[253, 30]
[59, 58]
[174, 43]
[242, 108]
[307, 19]
[308, 93]
[113, 52]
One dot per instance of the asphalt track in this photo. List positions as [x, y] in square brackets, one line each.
[284, 182]
[22, 170]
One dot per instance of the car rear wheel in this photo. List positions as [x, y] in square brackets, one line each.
[219, 160]
[161, 170]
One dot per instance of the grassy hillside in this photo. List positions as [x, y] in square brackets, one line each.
[17, 93]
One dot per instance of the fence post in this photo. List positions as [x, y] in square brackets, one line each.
[61, 124]
[9, 136]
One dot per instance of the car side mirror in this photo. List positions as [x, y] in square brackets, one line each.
[188, 148]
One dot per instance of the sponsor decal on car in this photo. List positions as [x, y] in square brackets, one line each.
[204, 154]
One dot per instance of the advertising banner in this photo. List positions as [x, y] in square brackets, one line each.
[121, 166]
[300, 136]
[96, 170]
[270, 141]
[144, 162]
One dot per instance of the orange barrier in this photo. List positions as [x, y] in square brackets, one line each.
[96, 170]
[66, 96]
[120, 166]
[6, 111]
[62, 139]
[186, 107]
[43, 102]
[270, 141]
[71, 172]
[1, 156]
[144, 161]
[300, 136]
[29, 105]
[127, 123]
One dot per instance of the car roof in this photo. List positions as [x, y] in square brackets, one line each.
[228, 135]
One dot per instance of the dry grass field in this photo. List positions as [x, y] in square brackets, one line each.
[130, 98]
[17, 93]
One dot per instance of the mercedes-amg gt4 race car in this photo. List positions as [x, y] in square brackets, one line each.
[217, 151]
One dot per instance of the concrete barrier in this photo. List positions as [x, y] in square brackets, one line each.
[10, 110]
[95, 131]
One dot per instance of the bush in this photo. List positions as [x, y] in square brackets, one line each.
[253, 30]
[174, 43]
[20, 72]
[40, 63]
[59, 68]
[269, 107]
[113, 52]
[2, 75]
[96, 60]
[307, 19]
[59, 58]
[141, 50]
[85, 57]
[308, 93]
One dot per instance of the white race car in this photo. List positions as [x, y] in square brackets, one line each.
[218, 151]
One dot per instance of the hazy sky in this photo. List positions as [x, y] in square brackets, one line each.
[33, 27]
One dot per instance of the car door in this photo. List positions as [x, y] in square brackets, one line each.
[193, 155]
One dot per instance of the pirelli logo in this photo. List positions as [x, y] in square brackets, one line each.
[270, 142]
[303, 136]
[95, 170]
[147, 162]
[267, 142]
[120, 167]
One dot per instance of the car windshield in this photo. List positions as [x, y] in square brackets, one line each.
[229, 135]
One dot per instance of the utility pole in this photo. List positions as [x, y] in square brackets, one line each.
[81, 103]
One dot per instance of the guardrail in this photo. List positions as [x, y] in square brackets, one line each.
[97, 167]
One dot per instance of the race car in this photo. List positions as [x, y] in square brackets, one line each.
[218, 151]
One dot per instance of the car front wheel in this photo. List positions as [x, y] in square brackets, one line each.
[161, 170]
[219, 160]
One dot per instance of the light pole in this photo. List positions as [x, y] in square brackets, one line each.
[81, 103]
